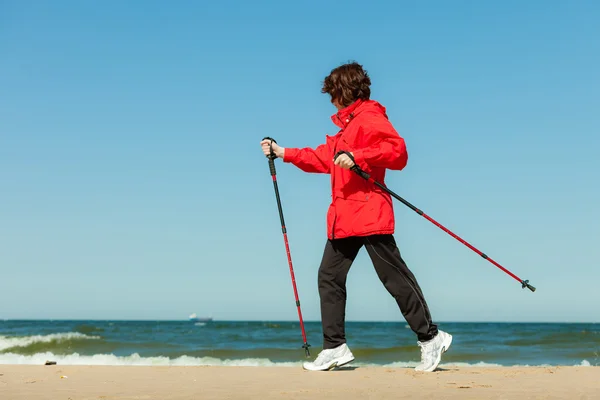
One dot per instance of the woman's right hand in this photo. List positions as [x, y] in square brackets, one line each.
[266, 145]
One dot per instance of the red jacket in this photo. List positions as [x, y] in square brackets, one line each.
[358, 207]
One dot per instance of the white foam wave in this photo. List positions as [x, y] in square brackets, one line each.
[137, 360]
[8, 342]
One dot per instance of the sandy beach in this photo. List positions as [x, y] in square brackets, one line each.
[165, 383]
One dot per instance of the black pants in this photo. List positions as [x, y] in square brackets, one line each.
[393, 273]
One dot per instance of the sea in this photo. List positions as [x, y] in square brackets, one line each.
[279, 343]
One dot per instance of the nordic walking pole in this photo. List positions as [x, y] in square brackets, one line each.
[272, 158]
[363, 174]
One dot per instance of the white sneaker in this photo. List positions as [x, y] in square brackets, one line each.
[330, 358]
[432, 350]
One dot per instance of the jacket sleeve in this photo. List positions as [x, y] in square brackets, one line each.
[316, 160]
[382, 147]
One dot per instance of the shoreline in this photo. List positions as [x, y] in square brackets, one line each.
[20, 382]
[253, 363]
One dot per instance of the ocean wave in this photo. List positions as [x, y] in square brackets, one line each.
[137, 360]
[10, 342]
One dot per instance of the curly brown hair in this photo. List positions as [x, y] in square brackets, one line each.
[347, 83]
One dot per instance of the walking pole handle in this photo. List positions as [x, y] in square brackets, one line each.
[355, 167]
[271, 156]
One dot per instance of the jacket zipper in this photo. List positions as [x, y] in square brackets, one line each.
[333, 227]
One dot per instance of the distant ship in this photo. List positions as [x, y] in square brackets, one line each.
[195, 318]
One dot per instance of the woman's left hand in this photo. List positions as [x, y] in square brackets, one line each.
[344, 161]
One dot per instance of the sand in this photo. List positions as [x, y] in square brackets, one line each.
[164, 383]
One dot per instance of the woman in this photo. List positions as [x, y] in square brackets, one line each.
[361, 214]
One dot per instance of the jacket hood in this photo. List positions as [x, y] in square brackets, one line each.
[345, 115]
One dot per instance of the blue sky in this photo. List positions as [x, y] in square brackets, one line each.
[133, 185]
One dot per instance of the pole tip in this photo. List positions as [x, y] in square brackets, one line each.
[306, 346]
[527, 285]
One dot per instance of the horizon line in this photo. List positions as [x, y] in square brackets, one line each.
[291, 320]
